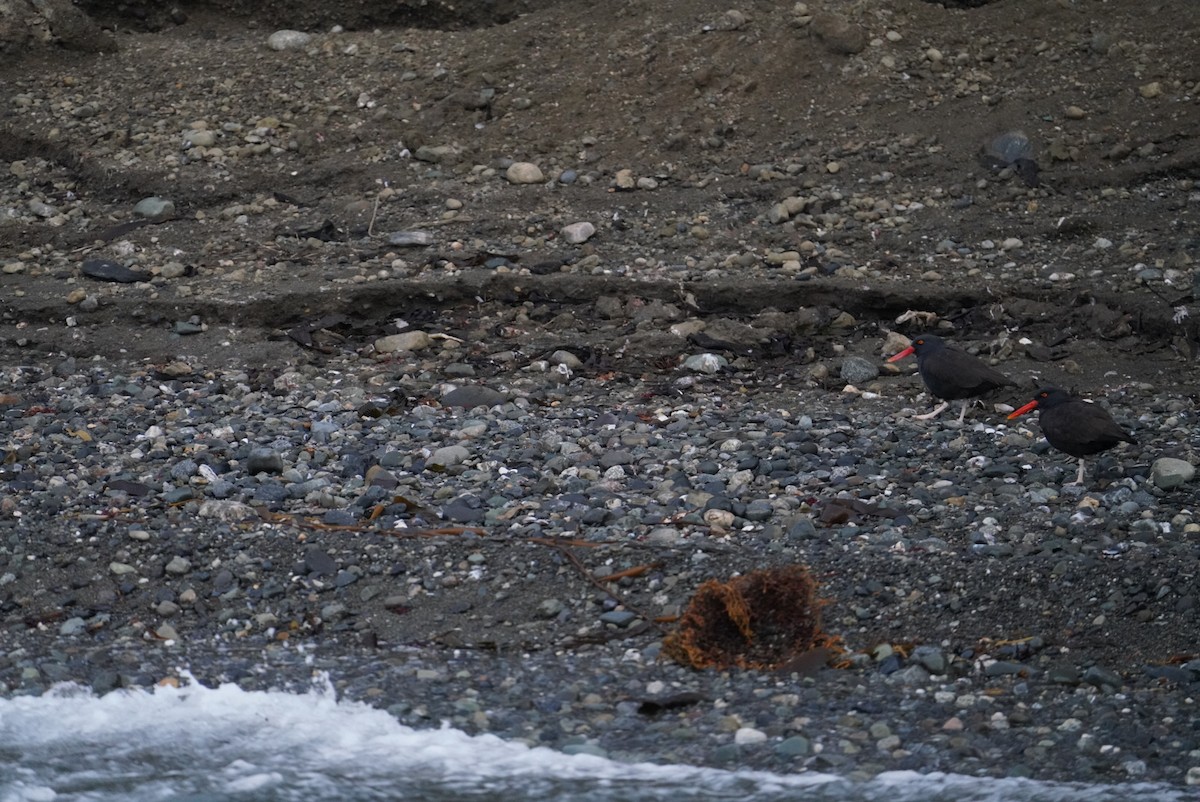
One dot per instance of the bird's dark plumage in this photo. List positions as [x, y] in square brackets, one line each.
[951, 374]
[1073, 426]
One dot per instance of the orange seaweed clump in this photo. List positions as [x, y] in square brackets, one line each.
[761, 620]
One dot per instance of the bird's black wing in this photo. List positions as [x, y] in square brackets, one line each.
[1080, 428]
[958, 369]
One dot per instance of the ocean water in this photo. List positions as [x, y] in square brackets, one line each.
[197, 744]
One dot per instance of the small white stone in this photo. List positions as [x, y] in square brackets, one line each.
[524, 173]
[288, 40]
[227, 510]
[749, 735]
[705, 363]
[199, 139]
[624, 179]
[449, 455]
[577, 233]
[404, 341]
[166, 632]
[561, 357]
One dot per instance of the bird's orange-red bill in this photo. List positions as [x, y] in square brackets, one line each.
[1030, 407]
[902, 354]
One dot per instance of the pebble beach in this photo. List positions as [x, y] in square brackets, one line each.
[443, 359]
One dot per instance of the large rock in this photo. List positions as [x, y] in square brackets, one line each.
[838, 34]
[29, 23]
[524, 173]
[1168, 472]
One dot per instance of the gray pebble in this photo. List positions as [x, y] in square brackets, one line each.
[524, 173]
[404, 341]
[1002, 668]
[1102, 677]
[448, 455]
[577, 233]
[619, 618]
[178, 565]
[156, 209]
[184, 470]
[706, 363]
[794, 746]
[473, 395]
[465, 509]
[857, 370]
[202, 138]
[838, 34]
[318, 561]
[226, 510]
[187, 327]
[1168, 472]
[108, 270]
[550, 608]
[42, 209]
[264, 460]
[410, 239]
[931, 657]
[288, 40]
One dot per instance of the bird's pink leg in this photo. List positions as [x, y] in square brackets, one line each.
[1079, 475]
[938, 410]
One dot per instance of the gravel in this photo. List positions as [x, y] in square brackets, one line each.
[457, 380]
[448, 562]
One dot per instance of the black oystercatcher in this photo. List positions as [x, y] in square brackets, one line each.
[951, 374]
[1074, 426]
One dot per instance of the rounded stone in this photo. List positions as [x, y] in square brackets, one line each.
[524, 173]
[838, 34]
[749, 735]
[857, 370]
[199, 138]
[1169, 472]
[449, 455]
[706, 363]
[470, 396]
[156, 209]
[577, 233]
[562, 357]
[264, 460]
[288, 40]
[404, 341]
